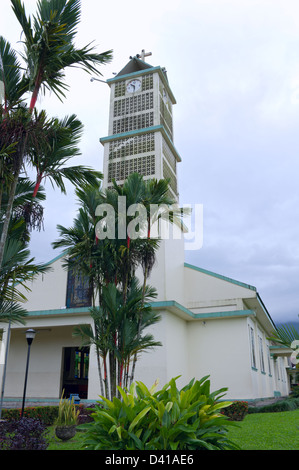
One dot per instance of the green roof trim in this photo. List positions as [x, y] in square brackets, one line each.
[56, 258]
[172, 303]
[219, 276]
[167, 304]
[202, 316]
[146, 130]
[58, 311]
[157, 69]
[224, 314]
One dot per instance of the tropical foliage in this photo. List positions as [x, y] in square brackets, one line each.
[167, 419]
[67, 413]
[23, 434]
[28, 136]
[121, 309]
[285, 335]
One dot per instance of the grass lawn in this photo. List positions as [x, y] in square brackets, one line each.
[57, 444]
[267, 431]
[260, 431]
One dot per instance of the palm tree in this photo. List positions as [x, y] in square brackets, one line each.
[83, 255]
[285, 335]
[48, 50]
[16, 269]
[119, 317]
[17, 265]
[116, 334]
[61, 146]
[27, 213]
[153, 195]
[49, 45]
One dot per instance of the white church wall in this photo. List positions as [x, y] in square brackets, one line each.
[151, 365]
[219, 348]
[177, 349]
[44, 375]
[53, 333]
[167, 275]
[268, 376]
[203, 289]
[48, 291]
[169, 360]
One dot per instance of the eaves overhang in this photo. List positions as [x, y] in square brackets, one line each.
[169, 305]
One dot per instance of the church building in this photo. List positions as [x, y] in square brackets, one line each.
[210, 324]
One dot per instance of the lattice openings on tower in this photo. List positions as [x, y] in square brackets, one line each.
[166, 118]
[168, 155]
[167, 173]
[122, 169]
[131, 123]
[133, 104]
[147, 83]
[132, 146]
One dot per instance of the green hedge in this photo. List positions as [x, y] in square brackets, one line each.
[236, 411]
[283, 405]
[46, 414]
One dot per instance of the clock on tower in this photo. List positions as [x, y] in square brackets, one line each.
[140, 133]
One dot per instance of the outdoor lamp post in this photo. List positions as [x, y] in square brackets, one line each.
[30, 334]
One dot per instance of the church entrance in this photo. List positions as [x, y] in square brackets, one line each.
[75, 371]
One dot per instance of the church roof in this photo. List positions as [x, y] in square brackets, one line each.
[135, 65]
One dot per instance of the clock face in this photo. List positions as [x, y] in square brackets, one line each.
[133, 85]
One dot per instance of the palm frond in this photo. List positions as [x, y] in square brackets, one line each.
[285, 335]
[12, 312]
[10, 74]
[49, 47]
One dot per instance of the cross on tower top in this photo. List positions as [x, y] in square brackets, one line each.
[143, 55]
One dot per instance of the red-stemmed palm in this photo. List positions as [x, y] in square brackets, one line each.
[51, 159]
[48, 50]
[49, 45]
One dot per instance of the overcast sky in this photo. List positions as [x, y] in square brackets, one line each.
[233, 67]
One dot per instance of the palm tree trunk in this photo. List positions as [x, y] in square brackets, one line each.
[106, 376]
[112, 371]
[12, 193]
[96, 334]
[139, 322]
[37, 185]
[35, 92]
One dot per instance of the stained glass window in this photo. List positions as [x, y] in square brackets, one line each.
[78, 291]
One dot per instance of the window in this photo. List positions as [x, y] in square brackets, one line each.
[78, 290]
[269, 359]
[252, 347]
[261, 351]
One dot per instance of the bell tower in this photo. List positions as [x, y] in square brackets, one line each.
[140, 140]
[140, 132]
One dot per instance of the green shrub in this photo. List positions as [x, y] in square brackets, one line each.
[168, 419]
[85, 414]
[282, 405]
[46, 414]
[23, 434]
[236, 411]
[67, 413]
